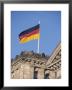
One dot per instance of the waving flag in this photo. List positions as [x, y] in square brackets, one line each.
[29, 34]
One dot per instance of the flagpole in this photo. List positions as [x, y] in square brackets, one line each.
[38, 45]
[38, 42]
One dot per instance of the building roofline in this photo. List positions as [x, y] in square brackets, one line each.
[55, 51]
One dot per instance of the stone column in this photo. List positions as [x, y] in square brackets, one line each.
[52, 75]
[32, 72]
[58, 74]
[28, 71]
[12, 75]
[17, 74]
[40, 73]
[21, 71]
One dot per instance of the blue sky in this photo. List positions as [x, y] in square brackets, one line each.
[50, 30]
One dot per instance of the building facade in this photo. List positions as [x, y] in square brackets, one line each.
[30, 65]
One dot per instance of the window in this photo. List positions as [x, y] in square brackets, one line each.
[46, 76]
[35, 73]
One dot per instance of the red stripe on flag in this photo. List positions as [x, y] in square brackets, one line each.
[29, 34]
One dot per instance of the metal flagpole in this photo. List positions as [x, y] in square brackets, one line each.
[38, 45]
[38, 41]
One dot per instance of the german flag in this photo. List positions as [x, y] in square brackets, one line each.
[29, 34]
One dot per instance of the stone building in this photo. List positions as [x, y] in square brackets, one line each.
[30, 65]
